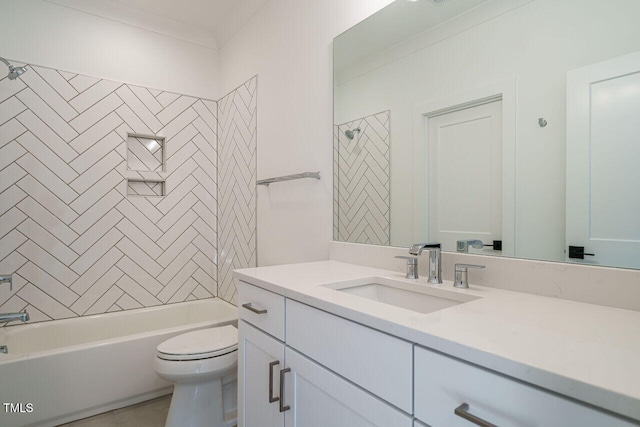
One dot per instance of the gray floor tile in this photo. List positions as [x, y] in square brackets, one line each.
[152, 413]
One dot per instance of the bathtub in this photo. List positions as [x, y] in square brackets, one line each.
[59, 371]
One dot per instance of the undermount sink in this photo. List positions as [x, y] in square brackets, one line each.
[411, 296]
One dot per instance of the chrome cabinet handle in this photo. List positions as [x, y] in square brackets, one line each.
[282, 407]
[463, 412]
[271, 365]
[249, 307]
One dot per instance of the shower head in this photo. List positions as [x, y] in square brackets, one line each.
[14, 72]
[351, 133]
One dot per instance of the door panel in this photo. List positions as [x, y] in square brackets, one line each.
[465, 175]
[256, 351]
[603, 154]
[320, 398]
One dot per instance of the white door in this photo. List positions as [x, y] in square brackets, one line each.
[260, 359]
[603, 161]
[319, 398]
[465, 175]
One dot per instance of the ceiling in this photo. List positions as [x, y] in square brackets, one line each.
[210, 23]
[380, 31]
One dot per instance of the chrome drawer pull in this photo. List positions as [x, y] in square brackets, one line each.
[271, 365]
[282, 407]
[249, 307]
[463, 412]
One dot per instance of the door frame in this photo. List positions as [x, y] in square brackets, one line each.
[506, 92]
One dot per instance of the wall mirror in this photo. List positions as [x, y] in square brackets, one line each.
[466, 122]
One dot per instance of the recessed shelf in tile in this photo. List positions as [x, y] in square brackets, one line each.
[146, 188]
[145, 152]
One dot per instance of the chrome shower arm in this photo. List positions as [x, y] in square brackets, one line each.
[5, 61]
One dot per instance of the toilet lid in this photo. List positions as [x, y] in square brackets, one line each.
[201, 344]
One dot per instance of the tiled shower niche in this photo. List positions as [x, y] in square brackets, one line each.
[146, 188]
[146, 153]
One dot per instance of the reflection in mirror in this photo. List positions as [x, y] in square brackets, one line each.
[361, 170]
[511, 122]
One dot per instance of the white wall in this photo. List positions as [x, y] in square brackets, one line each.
[536, 44]
[41, 33]
[288, 44]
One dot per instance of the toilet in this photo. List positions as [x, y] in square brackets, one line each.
[196, 363]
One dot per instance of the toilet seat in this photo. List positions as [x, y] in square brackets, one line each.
[198, 345]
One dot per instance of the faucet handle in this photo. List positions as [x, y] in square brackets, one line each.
[412, 266]
[7, 278]
[463, 267]
[461, 278]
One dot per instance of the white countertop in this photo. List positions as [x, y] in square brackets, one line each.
[588, 352]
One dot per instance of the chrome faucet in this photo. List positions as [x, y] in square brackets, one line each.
[463, 245]
[10, 317]
[435, 263]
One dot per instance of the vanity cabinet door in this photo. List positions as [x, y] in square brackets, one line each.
[377, 362]
[319, 398]
[257, 370]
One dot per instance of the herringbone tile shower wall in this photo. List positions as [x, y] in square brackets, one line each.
[361, 181]
[76, 243]
[237, 185]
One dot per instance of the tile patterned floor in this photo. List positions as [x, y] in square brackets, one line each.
[152, 413]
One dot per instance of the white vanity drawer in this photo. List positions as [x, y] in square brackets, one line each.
[375, 361]
[443, 384]
[261, 308]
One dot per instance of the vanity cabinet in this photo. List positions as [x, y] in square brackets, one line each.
[444, 384]
[312, 394]
[304, 367]
[260, 356]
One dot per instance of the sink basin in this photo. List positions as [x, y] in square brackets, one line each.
[410, 296]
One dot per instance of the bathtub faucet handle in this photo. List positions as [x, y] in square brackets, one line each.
[7, 278]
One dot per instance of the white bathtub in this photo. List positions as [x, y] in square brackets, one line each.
[74, 368]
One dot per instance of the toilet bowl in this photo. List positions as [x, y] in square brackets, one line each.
[196, 363]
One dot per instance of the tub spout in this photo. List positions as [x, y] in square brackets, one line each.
[10, 317]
